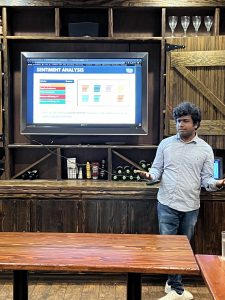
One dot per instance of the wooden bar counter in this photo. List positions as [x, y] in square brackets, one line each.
[88, 252]
[100, 207]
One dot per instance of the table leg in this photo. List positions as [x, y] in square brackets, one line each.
[20, 285]
[134, 286]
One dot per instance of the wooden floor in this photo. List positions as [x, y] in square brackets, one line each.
[79, 289]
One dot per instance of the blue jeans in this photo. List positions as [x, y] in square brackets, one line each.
[174, 222]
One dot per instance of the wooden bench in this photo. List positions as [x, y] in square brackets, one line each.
[213, 271]
[134, 254]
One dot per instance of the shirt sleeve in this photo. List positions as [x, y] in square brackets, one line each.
[158, 163]
[207, 180]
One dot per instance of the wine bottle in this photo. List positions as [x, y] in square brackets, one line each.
[127, 170]
[119, 170]
[148, 166]
[143, 164]
[138, 177]
[115, 177]
[131, 177]
[124, 177]
[33, 174]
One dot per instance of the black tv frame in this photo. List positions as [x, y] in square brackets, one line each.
[74, 129]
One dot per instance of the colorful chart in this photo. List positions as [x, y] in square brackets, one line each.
[52, 93]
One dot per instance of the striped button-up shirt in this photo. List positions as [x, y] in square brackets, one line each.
[183, 169]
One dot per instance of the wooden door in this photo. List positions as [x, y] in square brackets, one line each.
[197, 74]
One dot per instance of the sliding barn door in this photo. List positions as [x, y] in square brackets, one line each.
[197, 74]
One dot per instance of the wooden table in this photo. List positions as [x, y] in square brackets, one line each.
[133, 254]
[213, 271]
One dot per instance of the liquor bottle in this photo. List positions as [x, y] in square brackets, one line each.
[25, 175]
[119, 170]
[149, 166]
[88, 170]
[124, 177]
[131, 177]
[115, 177]
[143, 164]
[127, 170]
[33, 174]
[95, 170]
[102, 172]
[138, 177]
[80, 173]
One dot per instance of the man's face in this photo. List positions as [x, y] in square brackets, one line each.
[185, 127]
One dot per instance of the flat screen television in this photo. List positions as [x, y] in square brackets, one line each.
[93, 93]
[218, 167]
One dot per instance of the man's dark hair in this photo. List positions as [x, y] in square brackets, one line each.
[185, 109]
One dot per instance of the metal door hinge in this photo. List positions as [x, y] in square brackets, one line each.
[171, 47]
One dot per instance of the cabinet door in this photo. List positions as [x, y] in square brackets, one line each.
[54, 215]
[14, 215]
[197, 74]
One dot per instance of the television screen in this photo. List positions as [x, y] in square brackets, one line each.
[84, 93]
[218, 168]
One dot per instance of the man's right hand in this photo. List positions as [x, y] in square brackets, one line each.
[143, 174]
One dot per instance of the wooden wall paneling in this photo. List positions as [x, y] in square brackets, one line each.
[210, 223]
[57, 22]
[55, 215]
[142, 216]
[14, 215]
[110, 22]
[103, 214]
[198, 76]
[216, 25]
[119, 212]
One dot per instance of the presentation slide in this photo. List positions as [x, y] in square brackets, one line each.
[83, 98]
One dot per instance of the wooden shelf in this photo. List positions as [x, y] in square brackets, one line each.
[136, 26]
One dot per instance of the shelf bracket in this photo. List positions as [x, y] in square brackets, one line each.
[171, 47]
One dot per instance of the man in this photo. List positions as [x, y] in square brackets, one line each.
[184, 164]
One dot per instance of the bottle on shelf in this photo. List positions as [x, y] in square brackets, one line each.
[88, 170]
[33, 174]
[115, 177]
[148, 166]
[143, 164]
[80, 173]
[127, 170]
[102, 172]
[131, 177]
[95, 170]
[137, 177]
[119, 170]
[124, 177]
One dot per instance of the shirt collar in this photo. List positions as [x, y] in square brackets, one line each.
[194, 140]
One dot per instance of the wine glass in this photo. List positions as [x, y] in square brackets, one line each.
[208, 20]
[196, 21]
[172, 23]
[185, 21]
